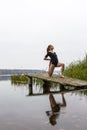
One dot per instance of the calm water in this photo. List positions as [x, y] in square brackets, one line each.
[21, 112]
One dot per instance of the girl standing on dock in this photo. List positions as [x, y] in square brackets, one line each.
[53, 61]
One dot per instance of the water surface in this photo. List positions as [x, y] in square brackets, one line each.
[21, 112]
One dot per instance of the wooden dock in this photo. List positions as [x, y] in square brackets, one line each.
[66, 81]
[75, 84]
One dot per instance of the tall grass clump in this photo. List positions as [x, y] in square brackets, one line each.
[77, 69]
[19, 79]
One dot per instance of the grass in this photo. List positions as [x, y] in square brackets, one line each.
[77, 70]
[19, 79]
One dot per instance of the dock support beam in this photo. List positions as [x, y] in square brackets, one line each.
[46, 87]
[30, 86]
[61, 87]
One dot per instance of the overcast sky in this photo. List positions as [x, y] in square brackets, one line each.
[27, 27]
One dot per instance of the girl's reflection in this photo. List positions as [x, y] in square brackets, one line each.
[55, 108]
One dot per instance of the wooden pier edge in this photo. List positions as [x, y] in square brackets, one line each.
[66, 81]
[76, 84]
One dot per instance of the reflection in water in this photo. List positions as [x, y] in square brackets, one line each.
[18, 112]
[55, 108]
[5, 77]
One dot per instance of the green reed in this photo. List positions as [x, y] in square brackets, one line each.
[77, 70]
[19, 79]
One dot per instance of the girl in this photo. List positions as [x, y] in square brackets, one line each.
[53, 61]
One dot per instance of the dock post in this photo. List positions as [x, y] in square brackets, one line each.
[46, 87]
[30, 86]
[61, 87]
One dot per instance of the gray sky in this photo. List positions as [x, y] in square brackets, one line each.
[28, 26]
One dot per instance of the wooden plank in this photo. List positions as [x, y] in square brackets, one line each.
[66, 81]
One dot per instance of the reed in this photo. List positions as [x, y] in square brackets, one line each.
[77, 69]
[19, 79]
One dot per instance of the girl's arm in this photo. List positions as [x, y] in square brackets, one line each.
[46, 58]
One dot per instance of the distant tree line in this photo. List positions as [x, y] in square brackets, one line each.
[18, 71]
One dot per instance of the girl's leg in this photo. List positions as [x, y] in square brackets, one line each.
[62, 65]
[51, 69]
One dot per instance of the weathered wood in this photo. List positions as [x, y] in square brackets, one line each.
[30, 86]
[66, 81]
[46, 86]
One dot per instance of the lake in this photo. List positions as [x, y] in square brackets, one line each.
[21, 111]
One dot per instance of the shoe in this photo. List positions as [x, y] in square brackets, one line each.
[61, 76]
